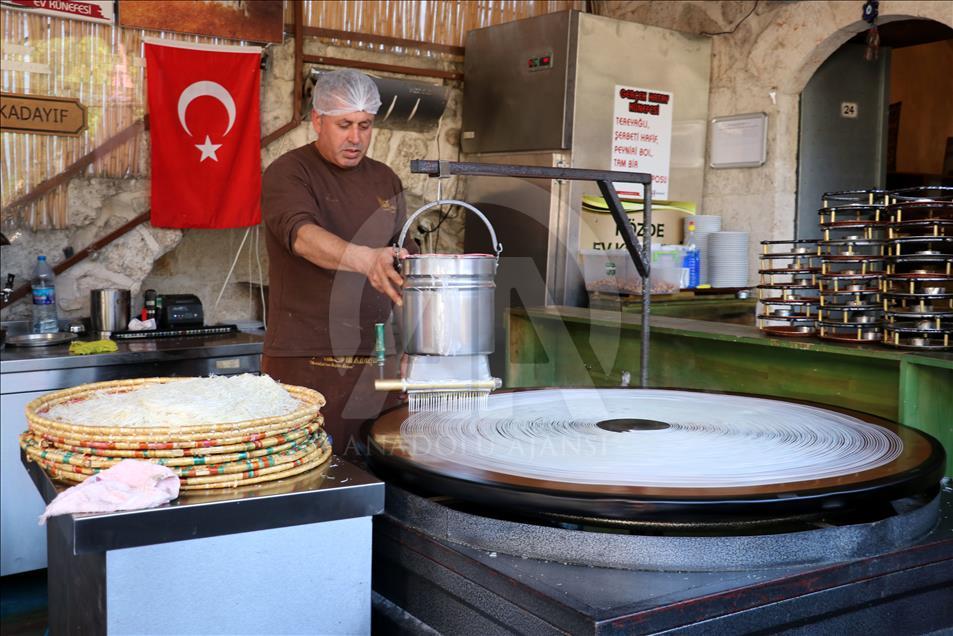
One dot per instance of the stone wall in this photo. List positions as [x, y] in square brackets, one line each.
[197, 261]
[761, 63]
[96, 208]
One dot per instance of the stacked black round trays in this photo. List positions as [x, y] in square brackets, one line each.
[918, 284]
[788, 291]
[852, 255]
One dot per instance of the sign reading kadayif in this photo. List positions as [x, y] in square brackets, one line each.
[41, 114]
[89, 10]
[642, 138]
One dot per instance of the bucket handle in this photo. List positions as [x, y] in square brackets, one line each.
[497, 247]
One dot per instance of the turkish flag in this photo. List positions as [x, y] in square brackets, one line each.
[205, 134]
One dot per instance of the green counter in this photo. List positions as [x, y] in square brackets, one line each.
[568, 346]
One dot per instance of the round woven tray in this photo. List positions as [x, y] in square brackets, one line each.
[170, 432]
[205, 456]
[171, 449]
[33, 445]
[198, 453]
[79, 465]
[319, 453]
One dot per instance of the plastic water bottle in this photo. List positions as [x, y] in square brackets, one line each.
[692, 260]
[44, 298]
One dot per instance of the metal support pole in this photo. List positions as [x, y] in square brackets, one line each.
[646, 285]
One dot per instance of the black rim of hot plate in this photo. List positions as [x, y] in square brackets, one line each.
[906, 480]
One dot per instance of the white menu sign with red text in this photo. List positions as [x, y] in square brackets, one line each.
[642, 138]
[90, 10]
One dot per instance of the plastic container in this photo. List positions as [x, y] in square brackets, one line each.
[44, 297]
[665, 280]
[610, 271]
[662, 280]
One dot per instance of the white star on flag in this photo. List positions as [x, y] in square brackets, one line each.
[208, 149]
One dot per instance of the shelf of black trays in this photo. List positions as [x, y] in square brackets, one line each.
[916, 336]
[855, 197]
[788, 291]
[847, 247]
[852, 314]
[850, 280]
[921, 194]
[841, 332]
[921, 246]
[793, 249]
[920, 228]
[937, 263]
[866, 221]
[918, 284]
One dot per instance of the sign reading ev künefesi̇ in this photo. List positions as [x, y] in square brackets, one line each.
[642, 138]
[90, 10]
[41, 114]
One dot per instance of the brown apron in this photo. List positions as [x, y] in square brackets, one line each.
[347, 383]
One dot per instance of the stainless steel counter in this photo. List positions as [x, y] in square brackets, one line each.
[336, 490]
[21, 359]
[216, 561]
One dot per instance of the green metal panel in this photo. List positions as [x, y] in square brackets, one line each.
[926, 402]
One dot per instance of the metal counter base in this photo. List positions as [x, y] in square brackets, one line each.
[293, 556]
[443, 585]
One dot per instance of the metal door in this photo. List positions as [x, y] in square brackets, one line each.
[842, 143]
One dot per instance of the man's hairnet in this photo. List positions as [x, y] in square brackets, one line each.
[347, 91]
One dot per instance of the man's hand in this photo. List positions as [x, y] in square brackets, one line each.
[378, 266]
[329, 251]
[404, 363]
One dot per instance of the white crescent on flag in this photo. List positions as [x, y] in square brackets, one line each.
[212, 89]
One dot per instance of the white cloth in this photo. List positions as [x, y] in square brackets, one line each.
[345, 91]
[142, 325]
[129, 485]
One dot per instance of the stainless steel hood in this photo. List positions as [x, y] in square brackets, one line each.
[518, 87]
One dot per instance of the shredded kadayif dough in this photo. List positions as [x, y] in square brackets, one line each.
[213, 400]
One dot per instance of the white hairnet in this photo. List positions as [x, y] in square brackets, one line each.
[347, 91]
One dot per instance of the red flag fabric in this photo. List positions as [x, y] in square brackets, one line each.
[205, 134]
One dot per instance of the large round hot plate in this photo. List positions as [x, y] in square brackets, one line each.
[641, 453]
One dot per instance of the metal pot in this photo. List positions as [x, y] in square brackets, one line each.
[448, 298]
[109, 310]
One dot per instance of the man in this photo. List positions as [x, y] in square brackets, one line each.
[332, 216]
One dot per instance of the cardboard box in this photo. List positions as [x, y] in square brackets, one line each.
[598, 231]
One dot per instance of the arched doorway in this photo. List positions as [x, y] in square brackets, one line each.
[883, 123]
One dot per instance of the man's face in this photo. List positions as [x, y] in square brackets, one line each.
[343, 139]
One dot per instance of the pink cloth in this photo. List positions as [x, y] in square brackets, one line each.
[129, 485]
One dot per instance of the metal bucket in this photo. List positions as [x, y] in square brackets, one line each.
[448, 298]
[109, 310]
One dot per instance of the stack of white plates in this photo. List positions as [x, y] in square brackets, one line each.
[728, 259]
[705, 224]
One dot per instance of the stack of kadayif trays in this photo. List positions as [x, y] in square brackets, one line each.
[852, 255]
[788, 291]
[918, 284]
[208, 455]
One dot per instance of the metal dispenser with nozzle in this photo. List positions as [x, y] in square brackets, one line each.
[447, 324]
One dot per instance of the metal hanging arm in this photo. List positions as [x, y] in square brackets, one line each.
[604, 178]
[642, 257]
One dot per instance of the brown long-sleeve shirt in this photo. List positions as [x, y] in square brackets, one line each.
[314, 311]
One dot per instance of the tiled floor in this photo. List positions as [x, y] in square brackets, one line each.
[23, 604]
